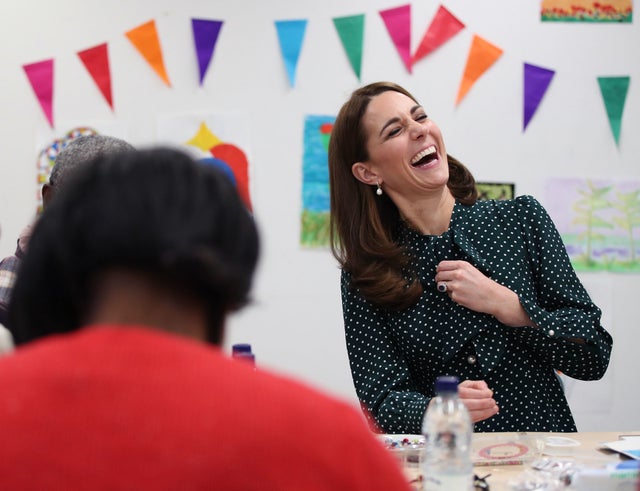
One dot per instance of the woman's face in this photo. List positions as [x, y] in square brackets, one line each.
[406, 151]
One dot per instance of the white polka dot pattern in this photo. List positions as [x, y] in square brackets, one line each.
[395, 357]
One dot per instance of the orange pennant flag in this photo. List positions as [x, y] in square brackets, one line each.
[145, 39]
[482, 55]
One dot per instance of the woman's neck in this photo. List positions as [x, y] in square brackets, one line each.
[430, 215]
[124, 297]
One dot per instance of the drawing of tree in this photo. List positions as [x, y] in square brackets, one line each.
[628, 204]
[592, 200]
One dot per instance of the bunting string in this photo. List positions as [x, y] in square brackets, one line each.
[444, 25]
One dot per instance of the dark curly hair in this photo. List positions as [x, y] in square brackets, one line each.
[154, 211]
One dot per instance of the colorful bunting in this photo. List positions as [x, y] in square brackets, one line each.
[614, 93]
[96, 61]
[442, 28]
[536, 83]
[205, 36]
[145, 39]
[351, 32]
[444, 25]
[398, 23]
[40, 75]
[481, 56]
[290, 36]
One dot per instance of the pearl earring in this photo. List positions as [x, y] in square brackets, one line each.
[379, 190]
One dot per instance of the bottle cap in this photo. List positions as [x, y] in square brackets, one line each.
[241, 348]
[447, 383]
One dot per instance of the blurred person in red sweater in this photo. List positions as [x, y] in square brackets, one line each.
[118, 381]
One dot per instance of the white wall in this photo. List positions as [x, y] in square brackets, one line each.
[295, 324]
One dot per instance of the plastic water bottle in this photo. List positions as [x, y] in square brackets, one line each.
[448, 430]
[242, 351]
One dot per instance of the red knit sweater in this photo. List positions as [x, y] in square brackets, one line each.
[115, 408]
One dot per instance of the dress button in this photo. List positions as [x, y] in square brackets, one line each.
[551, 333]
[471, 360]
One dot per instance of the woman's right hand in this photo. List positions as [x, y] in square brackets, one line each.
[478, 397]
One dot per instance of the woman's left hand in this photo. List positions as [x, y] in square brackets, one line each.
[467, 286]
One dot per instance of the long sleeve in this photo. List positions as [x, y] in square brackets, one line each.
[381, 376]
[560, 306]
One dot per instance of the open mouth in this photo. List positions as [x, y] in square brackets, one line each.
[424, 157]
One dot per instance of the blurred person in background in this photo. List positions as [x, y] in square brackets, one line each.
[77, 153]
[6, 340]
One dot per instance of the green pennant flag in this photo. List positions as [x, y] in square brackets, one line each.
[614, 92]
[351, 32]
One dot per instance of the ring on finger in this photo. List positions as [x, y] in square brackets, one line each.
[442, 286]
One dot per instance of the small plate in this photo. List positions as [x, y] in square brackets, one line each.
[560, 445]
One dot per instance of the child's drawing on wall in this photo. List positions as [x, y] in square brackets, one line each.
[599, 222]
[315, 181]
[586, 11]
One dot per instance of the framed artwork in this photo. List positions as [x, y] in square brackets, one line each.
[586, 11]
[496, 190]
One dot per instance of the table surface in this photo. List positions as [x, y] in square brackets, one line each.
[589, 452]
[500, 448]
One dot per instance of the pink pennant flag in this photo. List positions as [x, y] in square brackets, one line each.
[443, 27]
[40, 75]
[96, 61]
[398, 23]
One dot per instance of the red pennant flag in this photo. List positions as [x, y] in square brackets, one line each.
[442, 28]
[96, 61]
[40, 75]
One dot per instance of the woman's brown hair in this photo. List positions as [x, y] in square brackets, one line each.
[361, 223]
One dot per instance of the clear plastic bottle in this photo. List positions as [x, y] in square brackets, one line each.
[448, 431]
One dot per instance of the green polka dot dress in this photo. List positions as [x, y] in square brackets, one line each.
[395, 357]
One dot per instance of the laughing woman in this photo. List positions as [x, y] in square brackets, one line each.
[435, 282]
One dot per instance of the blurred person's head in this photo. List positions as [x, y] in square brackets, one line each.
[78, 152]
[136, 237]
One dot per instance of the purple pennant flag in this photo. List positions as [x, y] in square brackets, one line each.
[536, 82]
[205, 35]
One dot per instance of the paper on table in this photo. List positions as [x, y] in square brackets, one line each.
[491, 450]
[629, 446]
